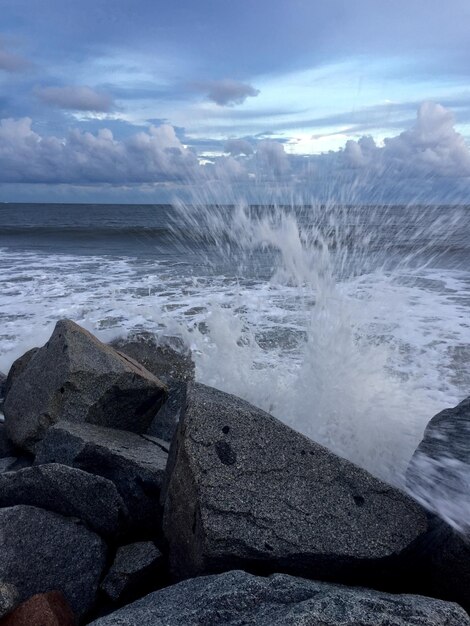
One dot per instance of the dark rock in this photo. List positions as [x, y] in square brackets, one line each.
[439, 472]
[68, 491]
[44, 609]
[6, 447]
[18, 368]
[246, 491]
[237, 598]
[135, 571]
[75, 377]
[134, 463]
[42, 551]
[8, 598]
[170, 363]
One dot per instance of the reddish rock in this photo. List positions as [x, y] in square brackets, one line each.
[43, 609]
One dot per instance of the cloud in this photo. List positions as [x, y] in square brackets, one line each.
[155, 155]
[236, 147]
[77, 98]
[226, 92]
[10, 62]
[429, 162]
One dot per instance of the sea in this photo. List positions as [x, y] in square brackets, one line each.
[349, 323]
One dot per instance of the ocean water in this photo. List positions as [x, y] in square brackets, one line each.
[351, 324]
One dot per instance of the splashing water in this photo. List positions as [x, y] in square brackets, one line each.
[347, 323]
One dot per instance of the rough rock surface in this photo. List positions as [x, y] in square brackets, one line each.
[68, 491]
[173, 365]
[8, 598]
[237, 598]
[18, 368]
[42, 551]
[136, 568]
[134, 463]
[244, 490]
[45, 609]
[88, 382]
[3, 381]
[7, 464]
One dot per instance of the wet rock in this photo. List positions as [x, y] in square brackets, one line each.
[75, 377]
[42, 551]
[244, 490]
[45, 609]
[171, 363]
[136, 570]
[134, 463]
[68, 491]
[8, 598]
[237, 598]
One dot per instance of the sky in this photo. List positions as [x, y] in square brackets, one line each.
[145, 101]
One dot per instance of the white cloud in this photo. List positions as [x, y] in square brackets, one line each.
[77, 98]
[226, 92]
[271, 157]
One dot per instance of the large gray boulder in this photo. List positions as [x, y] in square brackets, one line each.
[76, 378]
[18, 368]
[244, 490]
[172, 363]
[137, 569]
[237, 598]
[134, 463]
[68, 491]
[6, 446]
[42, 551]
[8, 598]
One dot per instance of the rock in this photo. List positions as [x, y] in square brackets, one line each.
[75, 377]
[174, 366]
[134, 463]
[438, 474]
[18, 368]
[6, 447]
[68, 491]
[8, 598]
[169, 362]
[244, 490]
[136, 570]
[42, 551]
[44, 609]
[237, 598]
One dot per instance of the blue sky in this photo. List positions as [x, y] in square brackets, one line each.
[110, 100]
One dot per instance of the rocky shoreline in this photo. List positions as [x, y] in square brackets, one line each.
[130, 494]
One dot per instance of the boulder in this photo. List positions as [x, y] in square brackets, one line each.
[171, 363]
[18, 368]
[44, 609]
[7, 464]
[439, 471]
[237, 598]
[68, 491]
[42, 551]
[76, 378]
[137, 569]
[244, 490]
[8, 598]
[134, 463]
